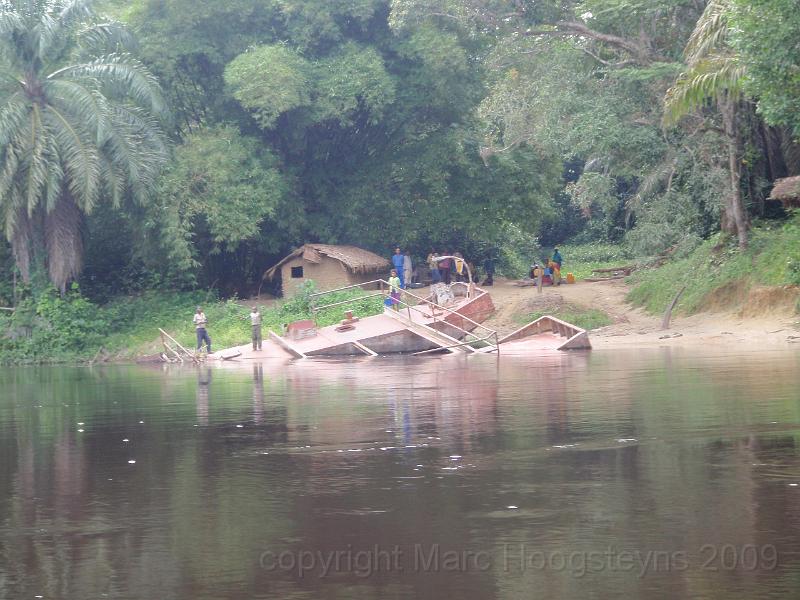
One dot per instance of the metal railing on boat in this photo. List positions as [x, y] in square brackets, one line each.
[487, 338]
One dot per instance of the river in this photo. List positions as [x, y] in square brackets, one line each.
[639, 474]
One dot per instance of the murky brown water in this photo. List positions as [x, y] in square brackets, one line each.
[648, 474]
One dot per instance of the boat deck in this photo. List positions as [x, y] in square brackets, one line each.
[418, 329]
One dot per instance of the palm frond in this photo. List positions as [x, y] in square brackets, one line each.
[102, 37]
[139, 144]
[12, 117]
[709, 78]
[79, 158]
[113, 181]
[46, 33]
[8, 174]
[10, 21]
[55, 176]
[36, 177]
[75, 10]
[710, 32]
[713, 67]
[87, 105]
[75, 135]
[122, 73]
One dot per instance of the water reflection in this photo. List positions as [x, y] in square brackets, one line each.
[586, 475]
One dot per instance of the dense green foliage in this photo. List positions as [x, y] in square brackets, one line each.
[719, 274]
[766, 38]
[71, 328]
[77, 126]
[493, 127]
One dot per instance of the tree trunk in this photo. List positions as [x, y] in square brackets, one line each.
[62, 231]
[21, 240]
[736, 211]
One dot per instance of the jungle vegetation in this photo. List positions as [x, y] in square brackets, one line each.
[184, 145]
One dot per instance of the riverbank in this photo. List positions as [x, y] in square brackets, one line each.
[731, 297]
[630, 326]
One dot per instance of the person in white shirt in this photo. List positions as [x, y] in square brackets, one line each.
[255, 322]
[200, 323]
[408, 270]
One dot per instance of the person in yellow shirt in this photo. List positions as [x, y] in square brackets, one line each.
[394, 289]
[459, 264]
[556, 268]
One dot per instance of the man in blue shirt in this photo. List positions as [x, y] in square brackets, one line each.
[397, 262]
[557, 258]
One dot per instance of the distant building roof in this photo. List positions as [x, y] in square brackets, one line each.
[787, 188]
[355, 259]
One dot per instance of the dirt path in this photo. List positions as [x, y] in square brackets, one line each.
[633, 327]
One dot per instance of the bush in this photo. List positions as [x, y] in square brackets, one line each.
[52, 327]
[772, 259]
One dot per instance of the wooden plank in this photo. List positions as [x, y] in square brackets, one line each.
[230, 354]
[364, 349]
[283, 343]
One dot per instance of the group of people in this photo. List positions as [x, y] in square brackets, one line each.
[551, 272]
[201, 329]
[443, 267]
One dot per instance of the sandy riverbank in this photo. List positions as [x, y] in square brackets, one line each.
[633, 327]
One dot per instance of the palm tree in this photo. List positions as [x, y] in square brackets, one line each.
[715, 74]
[78, 124]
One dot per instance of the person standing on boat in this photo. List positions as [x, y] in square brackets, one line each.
[200, 323]
[255, 323]
[398, 262]
[408, 271]
[394, 289]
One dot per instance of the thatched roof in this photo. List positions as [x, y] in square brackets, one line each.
[787, 188]
[355, 259]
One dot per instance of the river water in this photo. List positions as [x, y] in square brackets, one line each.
[639, 474]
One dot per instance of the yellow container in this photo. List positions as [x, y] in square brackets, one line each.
[570, 278]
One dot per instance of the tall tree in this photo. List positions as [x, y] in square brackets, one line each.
[715, 73]
[78, 124]
[765, 36]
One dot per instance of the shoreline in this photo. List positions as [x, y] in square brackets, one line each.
[633, 327]
[630, 327]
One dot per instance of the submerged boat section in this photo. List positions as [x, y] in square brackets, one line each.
[446, 321]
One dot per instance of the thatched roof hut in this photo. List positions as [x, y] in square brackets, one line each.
[328, 266]
[787, 190]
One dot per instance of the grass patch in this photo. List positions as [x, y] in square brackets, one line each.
[72, 329]
[585, 318]
[719, 275]
[580, 260]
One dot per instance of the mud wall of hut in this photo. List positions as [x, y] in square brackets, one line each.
[328, 274]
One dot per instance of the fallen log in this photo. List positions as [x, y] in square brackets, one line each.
[668, 312]
[612, 278]
[626, 269]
